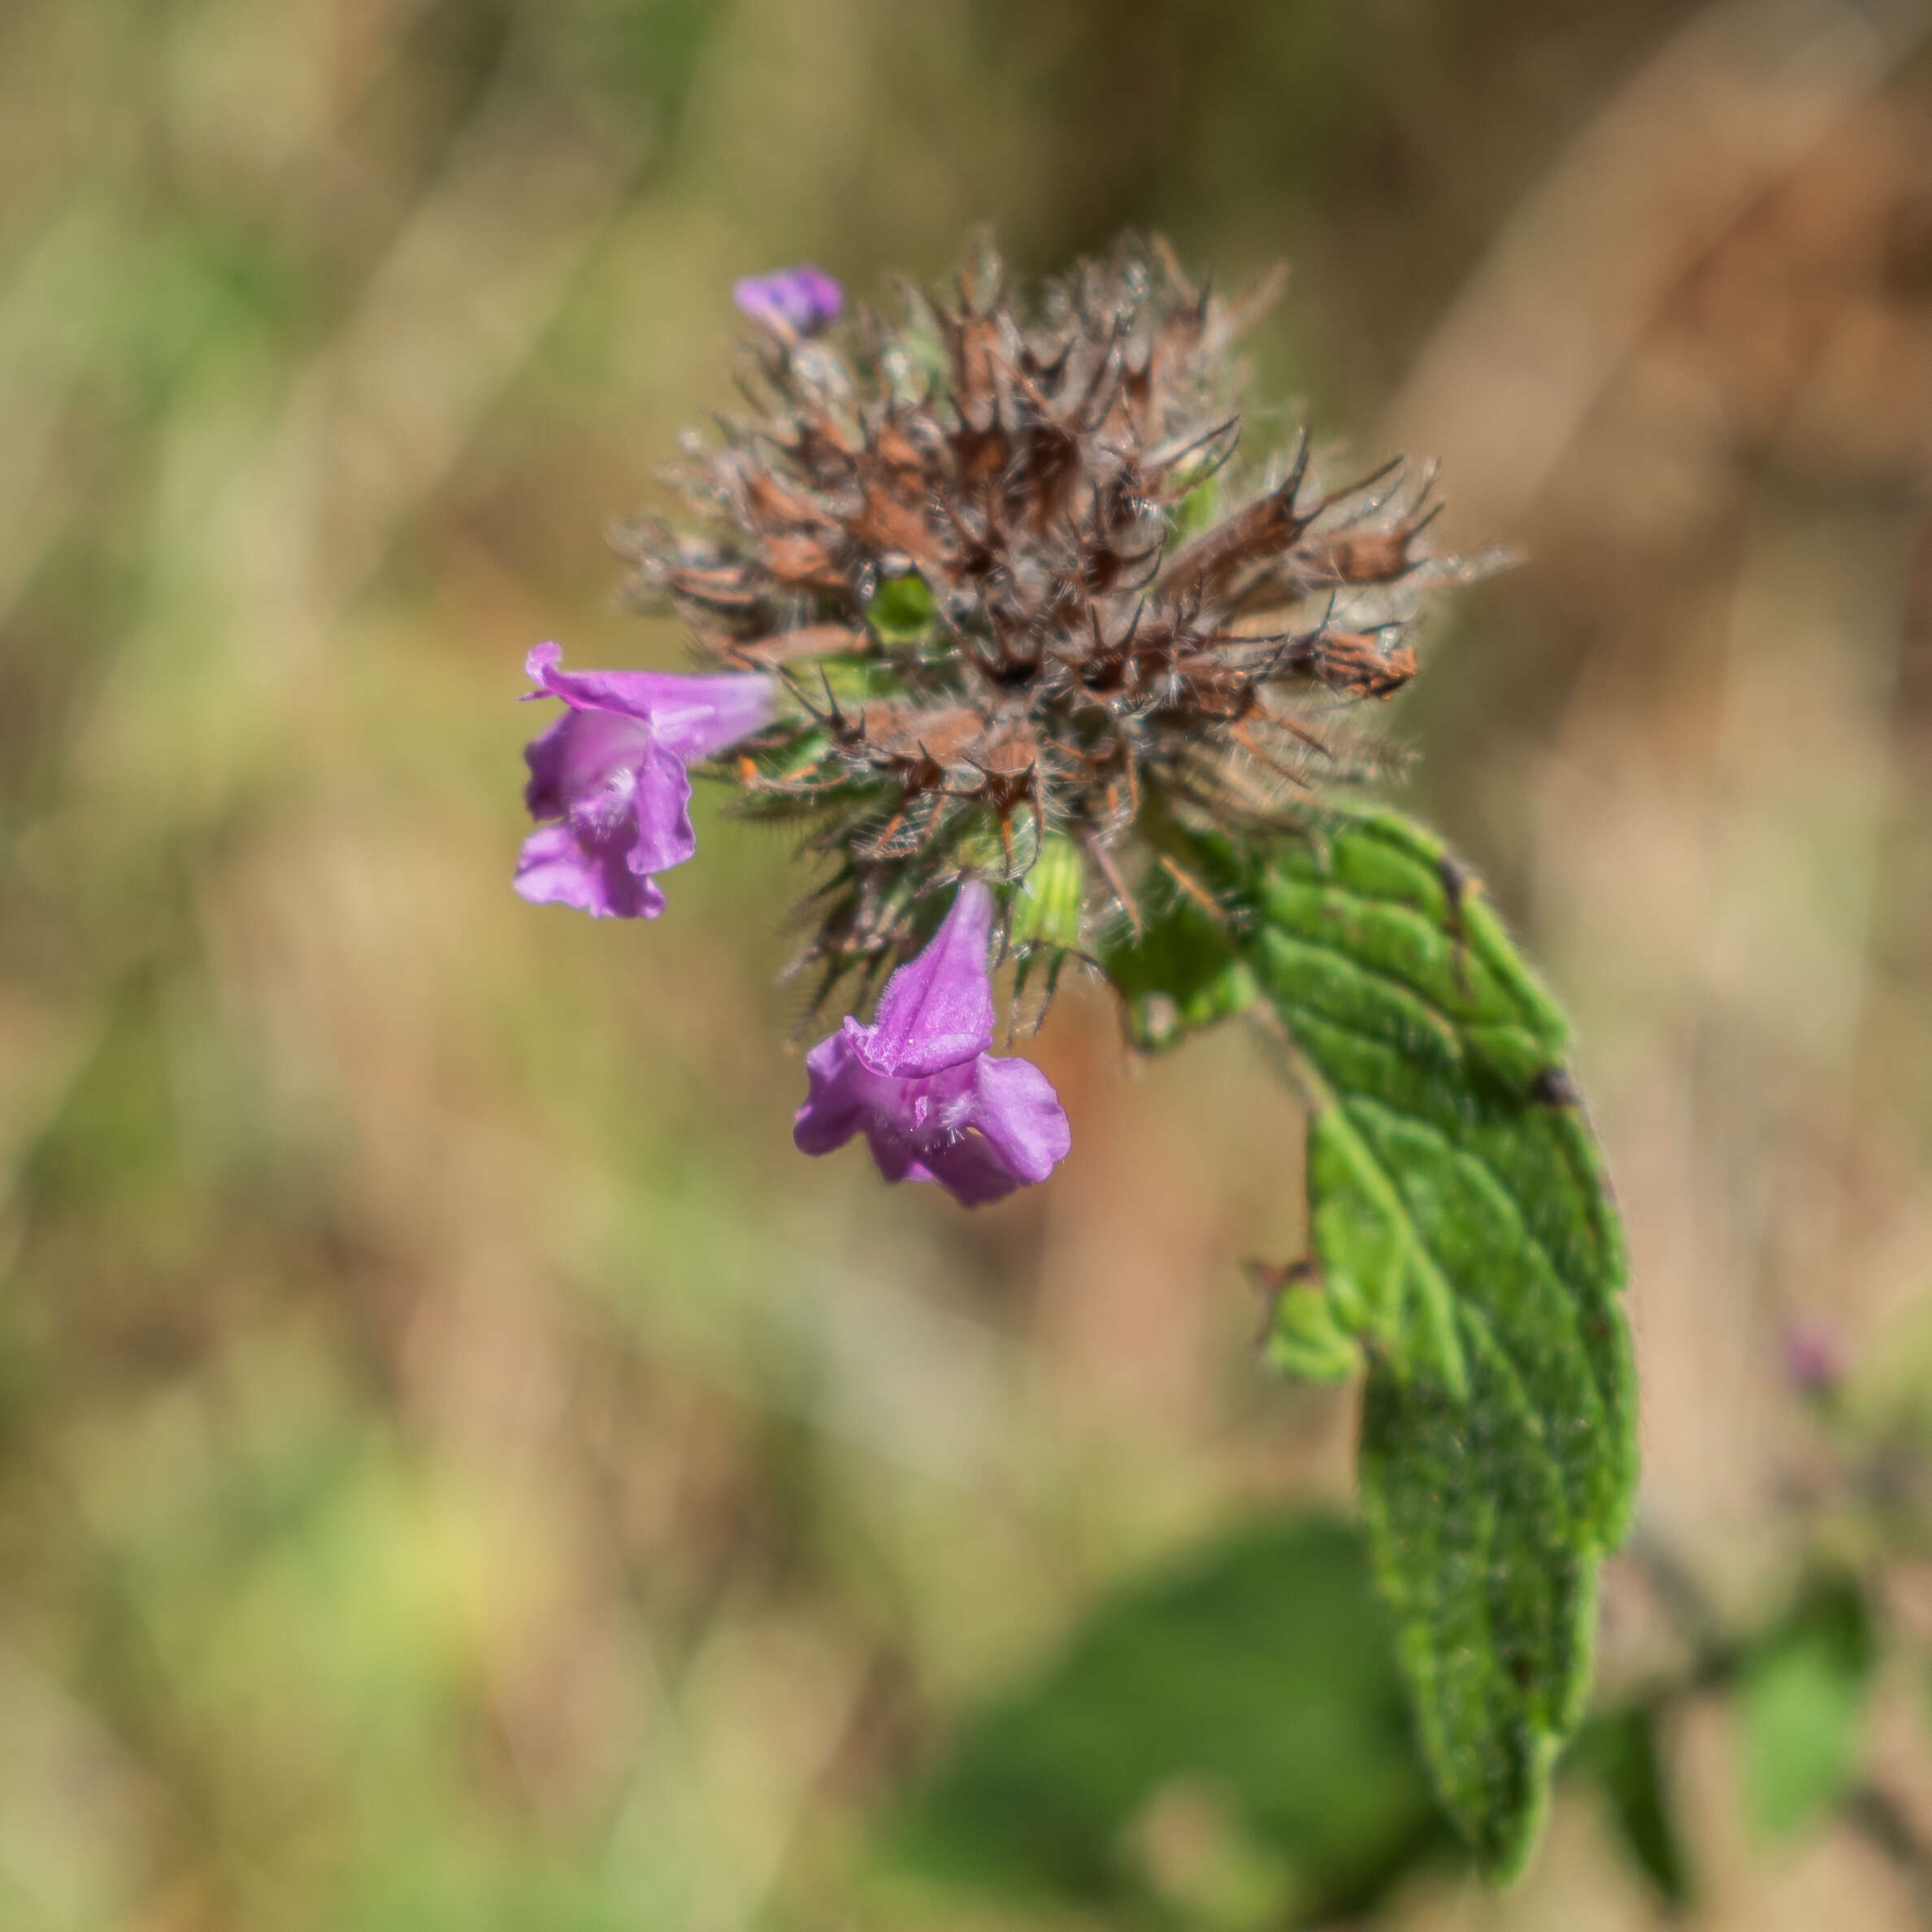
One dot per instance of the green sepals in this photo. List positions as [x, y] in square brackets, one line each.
[795, 756]
[1464, 1236]
[1617, 1752]
[980, 842]
[1197, 510]
[902, 608]
[1181, 971]
[1802, 1704]
[927, 369]
[850, 682]
[1046, 905]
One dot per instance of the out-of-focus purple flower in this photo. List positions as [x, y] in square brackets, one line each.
[612, 768]
[1814, 1363]
[920, 1085]
[802, 298]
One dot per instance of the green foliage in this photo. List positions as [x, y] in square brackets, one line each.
[1464, 1237]
[1264, 1677]
[1180, 972]
[1800, 1703]
[116, 1133]
[1618, 1753]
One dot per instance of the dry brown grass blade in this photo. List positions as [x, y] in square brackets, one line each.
[1577, 272]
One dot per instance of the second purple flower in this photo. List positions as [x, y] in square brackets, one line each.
[920, 1084]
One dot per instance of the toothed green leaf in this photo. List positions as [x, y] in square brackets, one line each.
[1307, 1340]
[1465, 1233]
[1464, 1238]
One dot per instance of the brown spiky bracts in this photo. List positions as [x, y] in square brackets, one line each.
[1023, 595]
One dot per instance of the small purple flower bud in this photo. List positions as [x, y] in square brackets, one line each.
[612, 768]
[1813, 1361]
[920, 1085]
[799, 301]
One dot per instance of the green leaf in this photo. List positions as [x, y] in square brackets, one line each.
[1464, 1235]
[1801, 1703]
[1305, 1337]
[1182, 971]
[1617, 1752]
[1261, 1678]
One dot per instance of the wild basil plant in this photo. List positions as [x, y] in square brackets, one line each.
[992, 606]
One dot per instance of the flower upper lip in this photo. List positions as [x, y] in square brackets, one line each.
[693, 716]
[937, 1010]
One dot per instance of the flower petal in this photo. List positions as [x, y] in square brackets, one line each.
[797, 300]
[839, 1100]
[823, 293]
[693, 716]
[662, 803]
[1015, 1107]
[937, 1009]
[547, 755]
[971, 1171]
[554, 869]
[896, 1158]
[585, 766]
[705, 715]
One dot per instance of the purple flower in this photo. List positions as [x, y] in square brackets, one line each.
[1814, 1363]
[612, 768]
[799, 301]
[932, 1103]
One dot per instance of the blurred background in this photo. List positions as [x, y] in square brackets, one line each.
[459, 1468]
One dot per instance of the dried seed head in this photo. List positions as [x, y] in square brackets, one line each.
[1019, 604]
